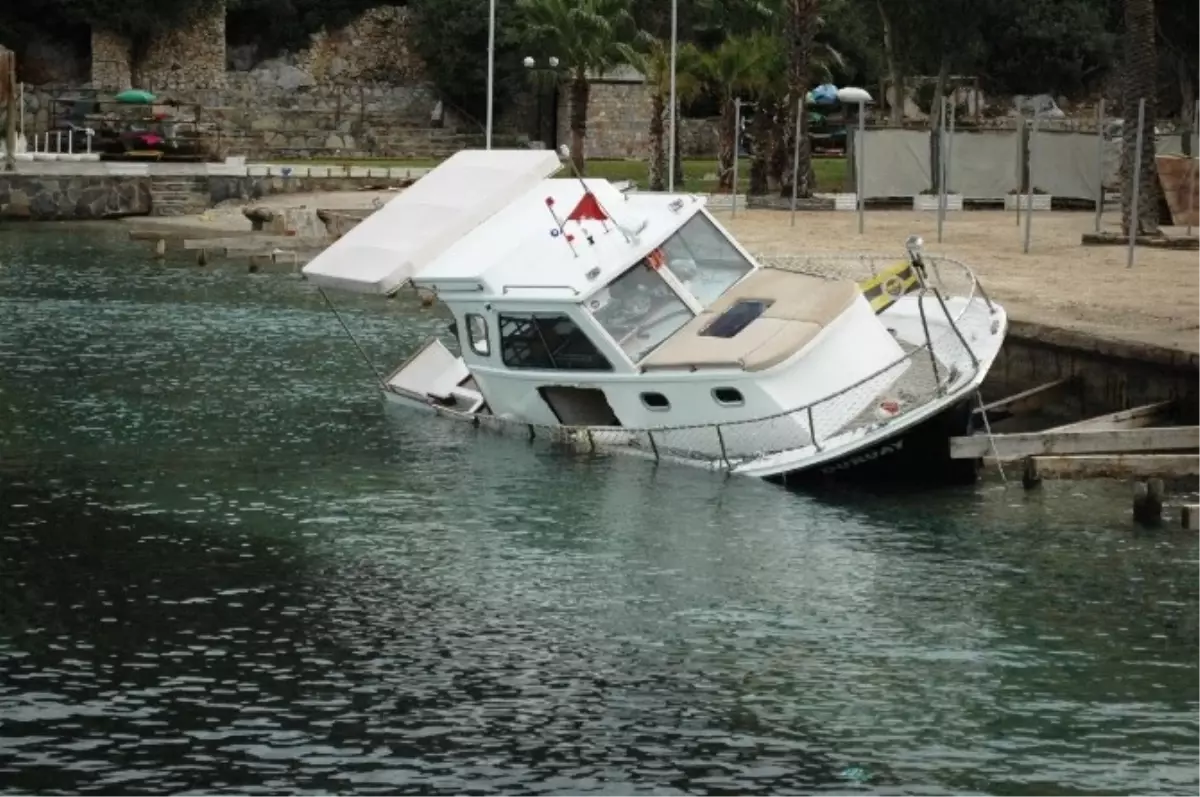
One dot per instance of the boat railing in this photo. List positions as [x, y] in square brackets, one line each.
[944, 362]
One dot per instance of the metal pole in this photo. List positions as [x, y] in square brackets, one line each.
[1020, 167]
[941, 211]
[859, 165]
[491, 69]
[1194, 168]
[950, 144]
[737, 130]
[796, 154]
[1099, 163]
[1134, 222]
[1029, 189]
[674, 53]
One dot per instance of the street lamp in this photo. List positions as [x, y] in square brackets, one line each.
[674, 54]
[531, 64]
[491, 69]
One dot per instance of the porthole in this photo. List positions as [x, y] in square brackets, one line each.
[656, 401]
[728, 396]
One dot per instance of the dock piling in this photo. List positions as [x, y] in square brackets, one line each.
[1148, 502]
[1031, 477]
[1189, 517]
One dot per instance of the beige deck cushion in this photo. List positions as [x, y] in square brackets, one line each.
[800, 297]
[802, 306]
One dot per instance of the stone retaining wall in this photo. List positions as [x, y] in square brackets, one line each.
[46, 197]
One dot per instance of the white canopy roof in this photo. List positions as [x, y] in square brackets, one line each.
[394, 243]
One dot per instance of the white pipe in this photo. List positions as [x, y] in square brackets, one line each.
[21, 100]
[58, 142]
[491, 69]
[674, 54]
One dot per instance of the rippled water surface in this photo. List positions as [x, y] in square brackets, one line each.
[226, 569]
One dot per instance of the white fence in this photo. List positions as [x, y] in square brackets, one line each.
[988, 165]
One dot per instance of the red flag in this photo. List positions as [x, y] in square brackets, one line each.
[588, 208]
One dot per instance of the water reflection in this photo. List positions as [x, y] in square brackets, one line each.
[223, 568]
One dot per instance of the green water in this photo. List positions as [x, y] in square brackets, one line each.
[225, 568]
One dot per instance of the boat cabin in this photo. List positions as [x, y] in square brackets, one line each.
[577, 304]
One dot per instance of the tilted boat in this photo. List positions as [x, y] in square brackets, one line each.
[634, 322]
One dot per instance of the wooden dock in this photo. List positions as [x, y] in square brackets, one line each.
[1138, 441]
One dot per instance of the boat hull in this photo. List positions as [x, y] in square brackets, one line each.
[917, 455]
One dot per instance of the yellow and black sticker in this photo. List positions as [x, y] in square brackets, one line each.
[883, 289]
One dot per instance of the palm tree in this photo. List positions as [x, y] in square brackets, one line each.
[802, 22]
[736, 69]
[589, 37]
[655, 63]
[1139, 82]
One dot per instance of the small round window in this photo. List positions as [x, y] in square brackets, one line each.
[477, 333]
[728, 396]
[656, 401]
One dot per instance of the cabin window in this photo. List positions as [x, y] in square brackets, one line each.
[548, 342]
[656, 401]
[728, 396]
[477, 333]
[704, 260]
[639, 310]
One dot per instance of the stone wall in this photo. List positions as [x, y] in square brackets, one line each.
[42, 197]
[373, 47]
[618, 120]
[110, 61]
[192, 57]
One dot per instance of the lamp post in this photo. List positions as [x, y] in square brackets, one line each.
[491, 69]
[531, 64]
[674, 53]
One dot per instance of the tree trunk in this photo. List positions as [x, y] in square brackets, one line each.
[725, 131]
[658, 155]
[802, 28]
[760, 160]
[1140, 82]
[581, 90]
[1187, 111]
[779, 155]
[896, 109]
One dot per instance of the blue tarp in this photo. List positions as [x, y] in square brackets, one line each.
[825, 94]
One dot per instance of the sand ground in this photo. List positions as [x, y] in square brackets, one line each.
[1060, 283]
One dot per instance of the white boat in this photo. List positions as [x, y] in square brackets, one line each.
[634, 322]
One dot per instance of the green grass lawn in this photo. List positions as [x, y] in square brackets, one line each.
[699, 174]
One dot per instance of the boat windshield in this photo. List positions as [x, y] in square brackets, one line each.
[639, 309]
[704, 260]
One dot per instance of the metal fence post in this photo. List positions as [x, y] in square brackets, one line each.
[737, 136]
[1021, 155]
[1134, 220]
[796, 153]
[1033, 131]
[1192, 171]
[941, 166]
[1099, 163]
[860, 159]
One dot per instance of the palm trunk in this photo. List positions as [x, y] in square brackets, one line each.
[725, 156]
[658, 155]
[896, 110]
[1140, 82]
[760, 161]
[802, 28]
[580, 92]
